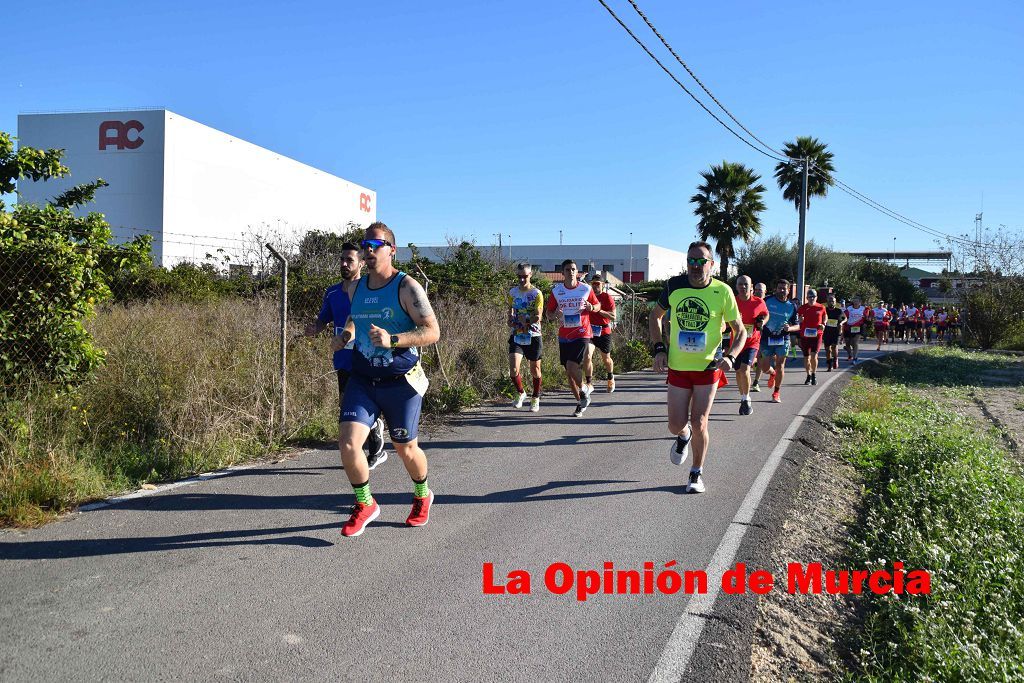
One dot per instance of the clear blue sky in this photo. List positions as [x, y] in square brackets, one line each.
[472, 118]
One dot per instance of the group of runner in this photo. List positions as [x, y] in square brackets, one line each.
[699, 330]
[585, 314]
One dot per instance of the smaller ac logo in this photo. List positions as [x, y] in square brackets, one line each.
[364, 202]
[116, 133]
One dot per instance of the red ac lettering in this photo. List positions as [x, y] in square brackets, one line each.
[116, 133]
[364, 202]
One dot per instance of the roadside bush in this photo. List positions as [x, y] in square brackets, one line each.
[633, 355]
[444, 399]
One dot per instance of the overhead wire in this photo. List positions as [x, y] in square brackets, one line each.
[772, 153]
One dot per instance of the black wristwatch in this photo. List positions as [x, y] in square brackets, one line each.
[394, 341]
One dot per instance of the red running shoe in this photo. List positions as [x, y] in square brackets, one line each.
[771, 377]
[420, 514]
[361, 516]
[776, 398]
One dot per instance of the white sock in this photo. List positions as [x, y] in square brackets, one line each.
[744, 397]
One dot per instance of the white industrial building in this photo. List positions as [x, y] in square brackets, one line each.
[628, 262]
[194, 188]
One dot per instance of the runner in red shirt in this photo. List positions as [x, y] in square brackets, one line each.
[601, 325]
[812, 328]
[753, 313]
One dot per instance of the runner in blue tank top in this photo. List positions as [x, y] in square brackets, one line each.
[391, 319]
[334, 314]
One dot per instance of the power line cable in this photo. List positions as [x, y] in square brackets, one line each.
[703, 87]
[777, 155]
[685, 89]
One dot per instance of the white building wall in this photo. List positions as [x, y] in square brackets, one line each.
[135, 195]
[192, 187]
[219, 187]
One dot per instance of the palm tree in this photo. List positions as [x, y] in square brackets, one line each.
[728, 203]
[789, 174]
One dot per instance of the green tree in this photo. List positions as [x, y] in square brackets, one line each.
[789, 174]
[54, 268]
[729, 202]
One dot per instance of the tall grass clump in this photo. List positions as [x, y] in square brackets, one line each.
[943, 496]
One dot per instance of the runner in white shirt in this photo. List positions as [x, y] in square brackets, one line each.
[855, 314]
[929, 320]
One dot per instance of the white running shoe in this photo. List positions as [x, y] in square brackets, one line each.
[520, 400]
[679, 450]
[585, 400]
[587, 389]
[696, 484]
[611, 385]
[535, 405]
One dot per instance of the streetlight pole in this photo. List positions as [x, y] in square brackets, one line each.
[894, 249]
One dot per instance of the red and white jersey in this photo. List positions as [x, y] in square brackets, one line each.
[855, 316]
[575, 321]
[929, 313]
[881, 315]
[912, 313]
[943, 317]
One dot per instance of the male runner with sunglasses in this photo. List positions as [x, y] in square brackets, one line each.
[334, 313]
[525, 307]
[601, 326]
[697, 305]
[391, 319]
[760, 291]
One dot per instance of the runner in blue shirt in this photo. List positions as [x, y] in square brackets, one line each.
[775, 335]
[334, 314]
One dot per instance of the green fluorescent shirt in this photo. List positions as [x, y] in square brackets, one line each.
[696, 317]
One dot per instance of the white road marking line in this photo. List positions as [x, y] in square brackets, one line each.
[675, 658]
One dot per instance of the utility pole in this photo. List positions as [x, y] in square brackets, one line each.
[801, 253]
[894, 249]
[499, 248]
[559, 238]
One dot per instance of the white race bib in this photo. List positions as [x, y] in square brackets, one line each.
[351, 342]
[811, 332]
[855, 329]
[523, 339]
[777, 339]
[570, 319]
[831, 322]
[693, 342]
[417, 379]
[596, 330]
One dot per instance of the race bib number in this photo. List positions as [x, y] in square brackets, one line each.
[777, 339]
[417, 379]
[811, 332]
[693, 342]
[351, 342]
[571, 320]
[855, 329]
[749, 329]
[596, 330]
[831, 322]
[523, 339]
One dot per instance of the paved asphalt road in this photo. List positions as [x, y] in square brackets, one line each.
[246, 577]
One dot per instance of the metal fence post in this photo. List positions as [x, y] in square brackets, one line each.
[284, 334]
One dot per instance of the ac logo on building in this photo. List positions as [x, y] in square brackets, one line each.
[364, 202]
[117, 133]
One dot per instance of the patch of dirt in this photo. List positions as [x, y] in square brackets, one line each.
[795, 638]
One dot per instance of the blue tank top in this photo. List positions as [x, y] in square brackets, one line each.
[380, 307]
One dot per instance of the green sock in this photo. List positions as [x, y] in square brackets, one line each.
[421, 488]
[363, 494]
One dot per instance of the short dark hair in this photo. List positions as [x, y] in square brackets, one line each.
[567, 262]
[703, 245]
[781, 281]
[381, 227]
[524, 266]
[350, 246]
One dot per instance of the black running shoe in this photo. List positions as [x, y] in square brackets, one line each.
[745, 408]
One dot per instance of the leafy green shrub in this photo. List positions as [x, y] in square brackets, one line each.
[633, 355]
[54, 269]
